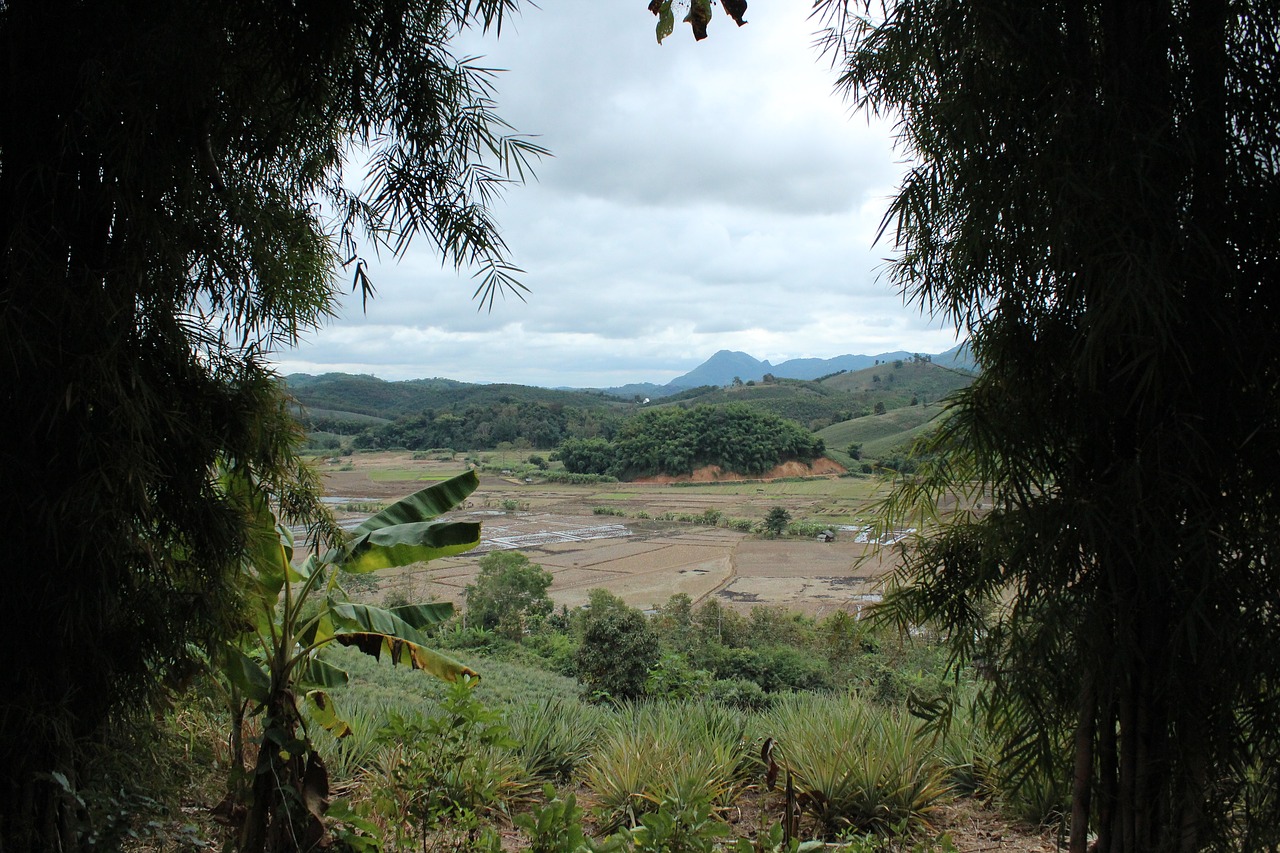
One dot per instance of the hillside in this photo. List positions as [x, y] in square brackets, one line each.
[896, 382]
[726, 366]
[369, 395]
[881, 434]
[841, 397]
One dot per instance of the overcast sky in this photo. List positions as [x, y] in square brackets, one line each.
[703, 196]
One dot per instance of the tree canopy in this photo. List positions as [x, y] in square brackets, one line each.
[175, 199]
[1093, 200]
[674, 440]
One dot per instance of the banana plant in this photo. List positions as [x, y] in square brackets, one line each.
[296, 610]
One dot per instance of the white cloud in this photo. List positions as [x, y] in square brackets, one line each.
[703, 196]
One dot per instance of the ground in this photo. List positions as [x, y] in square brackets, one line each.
[646, 560]
[643, 560]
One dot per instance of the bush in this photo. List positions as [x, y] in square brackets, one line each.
[855, 768]
[653, 752]
[618, 648]
[738, 693]
[555, 737]
[775, 523]
[509, 594]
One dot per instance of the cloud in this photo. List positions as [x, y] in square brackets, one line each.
[702, 196]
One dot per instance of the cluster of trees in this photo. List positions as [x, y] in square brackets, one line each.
[477, 427]
[676, 441]
[174, 205]
[680, 651]
[1094, 202]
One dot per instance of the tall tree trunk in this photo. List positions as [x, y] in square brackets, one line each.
[1082, 783]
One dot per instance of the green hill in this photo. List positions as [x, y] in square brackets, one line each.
[900, 380]
[880, 434]
[818, 404]
[369, 395]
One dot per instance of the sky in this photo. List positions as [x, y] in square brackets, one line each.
[702, 196]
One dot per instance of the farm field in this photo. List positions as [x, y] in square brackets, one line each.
[632, 552]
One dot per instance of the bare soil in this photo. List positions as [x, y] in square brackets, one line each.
[642, 560]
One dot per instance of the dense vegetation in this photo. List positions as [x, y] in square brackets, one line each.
[676, 441]
[174, 206]
[1094, 203]
[423, 762]
[477, 427]
[423, 412]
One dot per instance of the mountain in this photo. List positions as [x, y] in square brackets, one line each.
[721, 369]
[726, 365]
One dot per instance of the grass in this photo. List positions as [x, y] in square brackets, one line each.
[879, 434]
[383, 475]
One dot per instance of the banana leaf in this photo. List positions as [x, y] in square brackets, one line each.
[402, 544]
[425, 505]
[377, 631]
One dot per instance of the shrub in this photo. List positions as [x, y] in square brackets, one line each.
[738, 693]
[510, 593]
[618, 648]
[855, 768]
[555, 737]
[659, 752]
[775, 523]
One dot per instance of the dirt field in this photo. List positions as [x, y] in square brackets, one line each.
[642, 560]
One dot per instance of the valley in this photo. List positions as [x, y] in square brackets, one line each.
[629, 538]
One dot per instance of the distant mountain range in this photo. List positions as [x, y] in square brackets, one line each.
[725, 366]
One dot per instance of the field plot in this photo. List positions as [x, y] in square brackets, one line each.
[636, 556]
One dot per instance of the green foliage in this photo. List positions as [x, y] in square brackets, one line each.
[679, 827]
[449, 770]
[1101, 226]
[555, 737]
[176, 202]
[673, 679]
[855, 768]
[274, 663]
[775, 523]
[586, 456]
[658, 752]
[557, 826]
[677, 440]
[509, 594]
[618, 647]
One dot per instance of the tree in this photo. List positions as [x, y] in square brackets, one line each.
[618, 648]
[173, 205]
[1094, 201]
[509, 594]
[775, 523]
[294, 612]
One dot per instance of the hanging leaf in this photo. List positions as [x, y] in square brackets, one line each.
[424, 615]
[325, 713]
[246, 674]
[735, 9]
[666, 18]
[698, 18]
[315, 672]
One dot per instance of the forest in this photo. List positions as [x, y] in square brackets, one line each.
[676, 441]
